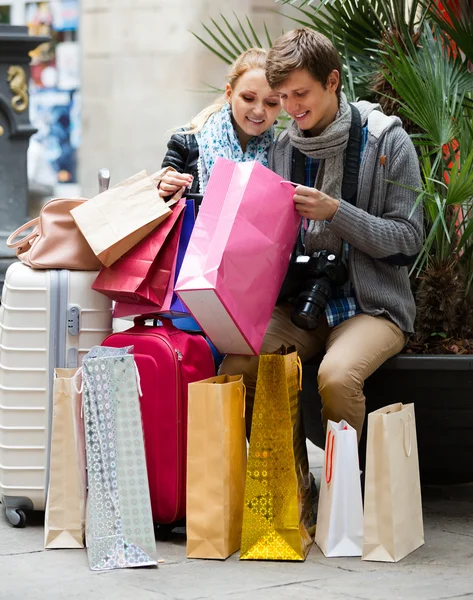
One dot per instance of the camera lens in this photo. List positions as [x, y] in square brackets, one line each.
[311, 304]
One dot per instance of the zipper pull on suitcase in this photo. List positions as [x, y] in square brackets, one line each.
[104, 180]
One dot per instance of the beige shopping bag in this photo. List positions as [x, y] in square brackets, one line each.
[65, 507]
[216, 466]
[393, 525]
[117, 219]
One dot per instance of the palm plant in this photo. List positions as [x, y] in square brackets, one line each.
[435, 88]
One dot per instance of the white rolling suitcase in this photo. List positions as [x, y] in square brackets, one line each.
[48, 319]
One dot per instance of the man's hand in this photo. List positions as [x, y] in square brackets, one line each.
[315, 205]
[172, 182]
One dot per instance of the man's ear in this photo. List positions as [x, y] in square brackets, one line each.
[228, 91]
[333, 80]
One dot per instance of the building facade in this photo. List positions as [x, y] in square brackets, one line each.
[144, 74]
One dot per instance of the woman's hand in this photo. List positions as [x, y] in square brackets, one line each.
[314, 204]
[172, 182]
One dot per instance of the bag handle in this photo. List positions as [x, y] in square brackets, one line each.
[243, 393]
[298, 362]
[329, 457]
[166, 324]
[141, 320]
[33, 223]
[407, 435]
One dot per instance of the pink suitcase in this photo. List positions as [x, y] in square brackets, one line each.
[168, 360]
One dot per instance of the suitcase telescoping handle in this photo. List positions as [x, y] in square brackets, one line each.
[104, 180]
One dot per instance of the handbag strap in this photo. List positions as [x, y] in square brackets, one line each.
[33, 223]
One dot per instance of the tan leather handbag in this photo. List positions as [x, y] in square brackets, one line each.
[55, 242]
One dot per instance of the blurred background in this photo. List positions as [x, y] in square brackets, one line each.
[117, 77]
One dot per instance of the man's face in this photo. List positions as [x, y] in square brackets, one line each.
[312, 105]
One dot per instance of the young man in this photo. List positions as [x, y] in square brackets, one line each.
[361, 215]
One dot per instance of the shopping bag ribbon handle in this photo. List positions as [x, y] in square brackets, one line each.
[74, 381]
[407, 431]
[79, 389]
[329, 457]
[243, 393]
[298, 362]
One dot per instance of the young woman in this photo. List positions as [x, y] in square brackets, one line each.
[238, 126]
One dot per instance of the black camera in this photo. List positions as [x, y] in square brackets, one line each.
[309, 283]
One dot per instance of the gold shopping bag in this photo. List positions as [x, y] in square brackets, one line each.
[116, 220]
[393, 525]
[64, 519]
[278, 520]
[216, 466]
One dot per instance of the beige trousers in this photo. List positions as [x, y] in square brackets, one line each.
[353, 351]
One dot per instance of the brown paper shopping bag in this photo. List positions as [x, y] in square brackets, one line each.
[393, 525]
[65, 507]
[216, 466]
[117, 219]
[278, 519]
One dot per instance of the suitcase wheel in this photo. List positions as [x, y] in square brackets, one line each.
[16, 517]
[162, 532]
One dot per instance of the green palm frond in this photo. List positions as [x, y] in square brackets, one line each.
[431, 85]
[361, 20]
[227, 41]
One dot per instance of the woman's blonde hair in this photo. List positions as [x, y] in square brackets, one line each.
[254, 58]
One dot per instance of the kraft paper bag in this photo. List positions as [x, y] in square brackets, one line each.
[393, 524]
[339, 529]
[116, 220]
[216, 466]
[278, 519]
[65, 507]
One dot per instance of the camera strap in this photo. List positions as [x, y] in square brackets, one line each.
[351, 169]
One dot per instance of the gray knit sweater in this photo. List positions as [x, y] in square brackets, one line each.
[383, 234]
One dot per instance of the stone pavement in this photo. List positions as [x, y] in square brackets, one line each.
[440, 570]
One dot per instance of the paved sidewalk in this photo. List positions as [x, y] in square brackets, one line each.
[440, 570]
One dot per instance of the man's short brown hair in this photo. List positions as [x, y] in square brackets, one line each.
[302, 48]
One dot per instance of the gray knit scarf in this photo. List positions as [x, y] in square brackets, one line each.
[329, 147]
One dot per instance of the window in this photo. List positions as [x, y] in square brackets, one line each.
[5, 14]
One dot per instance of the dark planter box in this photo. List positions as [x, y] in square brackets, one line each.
[441, 388]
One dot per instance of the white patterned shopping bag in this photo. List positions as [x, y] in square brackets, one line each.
[119, 525]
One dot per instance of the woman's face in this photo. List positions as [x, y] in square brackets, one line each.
[255, 106]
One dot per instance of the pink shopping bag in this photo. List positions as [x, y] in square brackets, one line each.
[238, 254]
